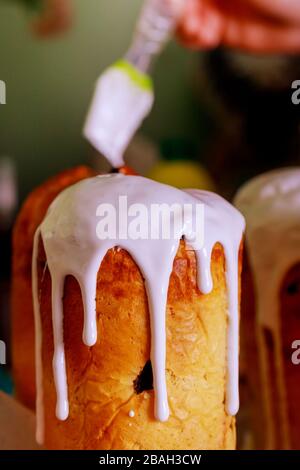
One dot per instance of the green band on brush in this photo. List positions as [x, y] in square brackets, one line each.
[141, 79]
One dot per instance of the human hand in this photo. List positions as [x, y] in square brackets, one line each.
[254, 25]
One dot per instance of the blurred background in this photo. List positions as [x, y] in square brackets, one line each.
[220, 117]
[50, 83]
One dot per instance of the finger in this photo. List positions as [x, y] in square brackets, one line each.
[209, 23]
[282, 10]
[256, 36]
[201, 26]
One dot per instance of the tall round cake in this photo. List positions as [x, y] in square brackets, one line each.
[271, 303]
[137, 335]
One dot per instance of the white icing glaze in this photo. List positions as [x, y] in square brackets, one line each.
[131, 414]
[72, 248]
[271, 206]
[111, 122]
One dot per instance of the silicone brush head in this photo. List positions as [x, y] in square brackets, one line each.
[123, 98]
[124, 93]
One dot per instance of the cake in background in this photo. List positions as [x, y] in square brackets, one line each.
[270, 305]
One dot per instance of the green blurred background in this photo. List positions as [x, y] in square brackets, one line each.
[50, 82]
[224, 111]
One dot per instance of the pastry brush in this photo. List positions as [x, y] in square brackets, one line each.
[124, 93]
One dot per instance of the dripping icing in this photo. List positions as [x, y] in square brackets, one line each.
[270, 204]
[72, 248]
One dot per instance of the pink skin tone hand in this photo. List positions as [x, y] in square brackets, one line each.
[56, 18]
[283, 10]
[261, 26]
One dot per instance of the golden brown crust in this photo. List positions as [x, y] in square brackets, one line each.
[250, 379]
[267, 403]
[289, 332]
[101, 379]
[30, 217]
[127, 170]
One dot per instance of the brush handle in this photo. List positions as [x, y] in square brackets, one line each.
[154, 28]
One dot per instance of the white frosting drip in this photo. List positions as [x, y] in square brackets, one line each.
[111, 122]
[72, 248]
[271, 205]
